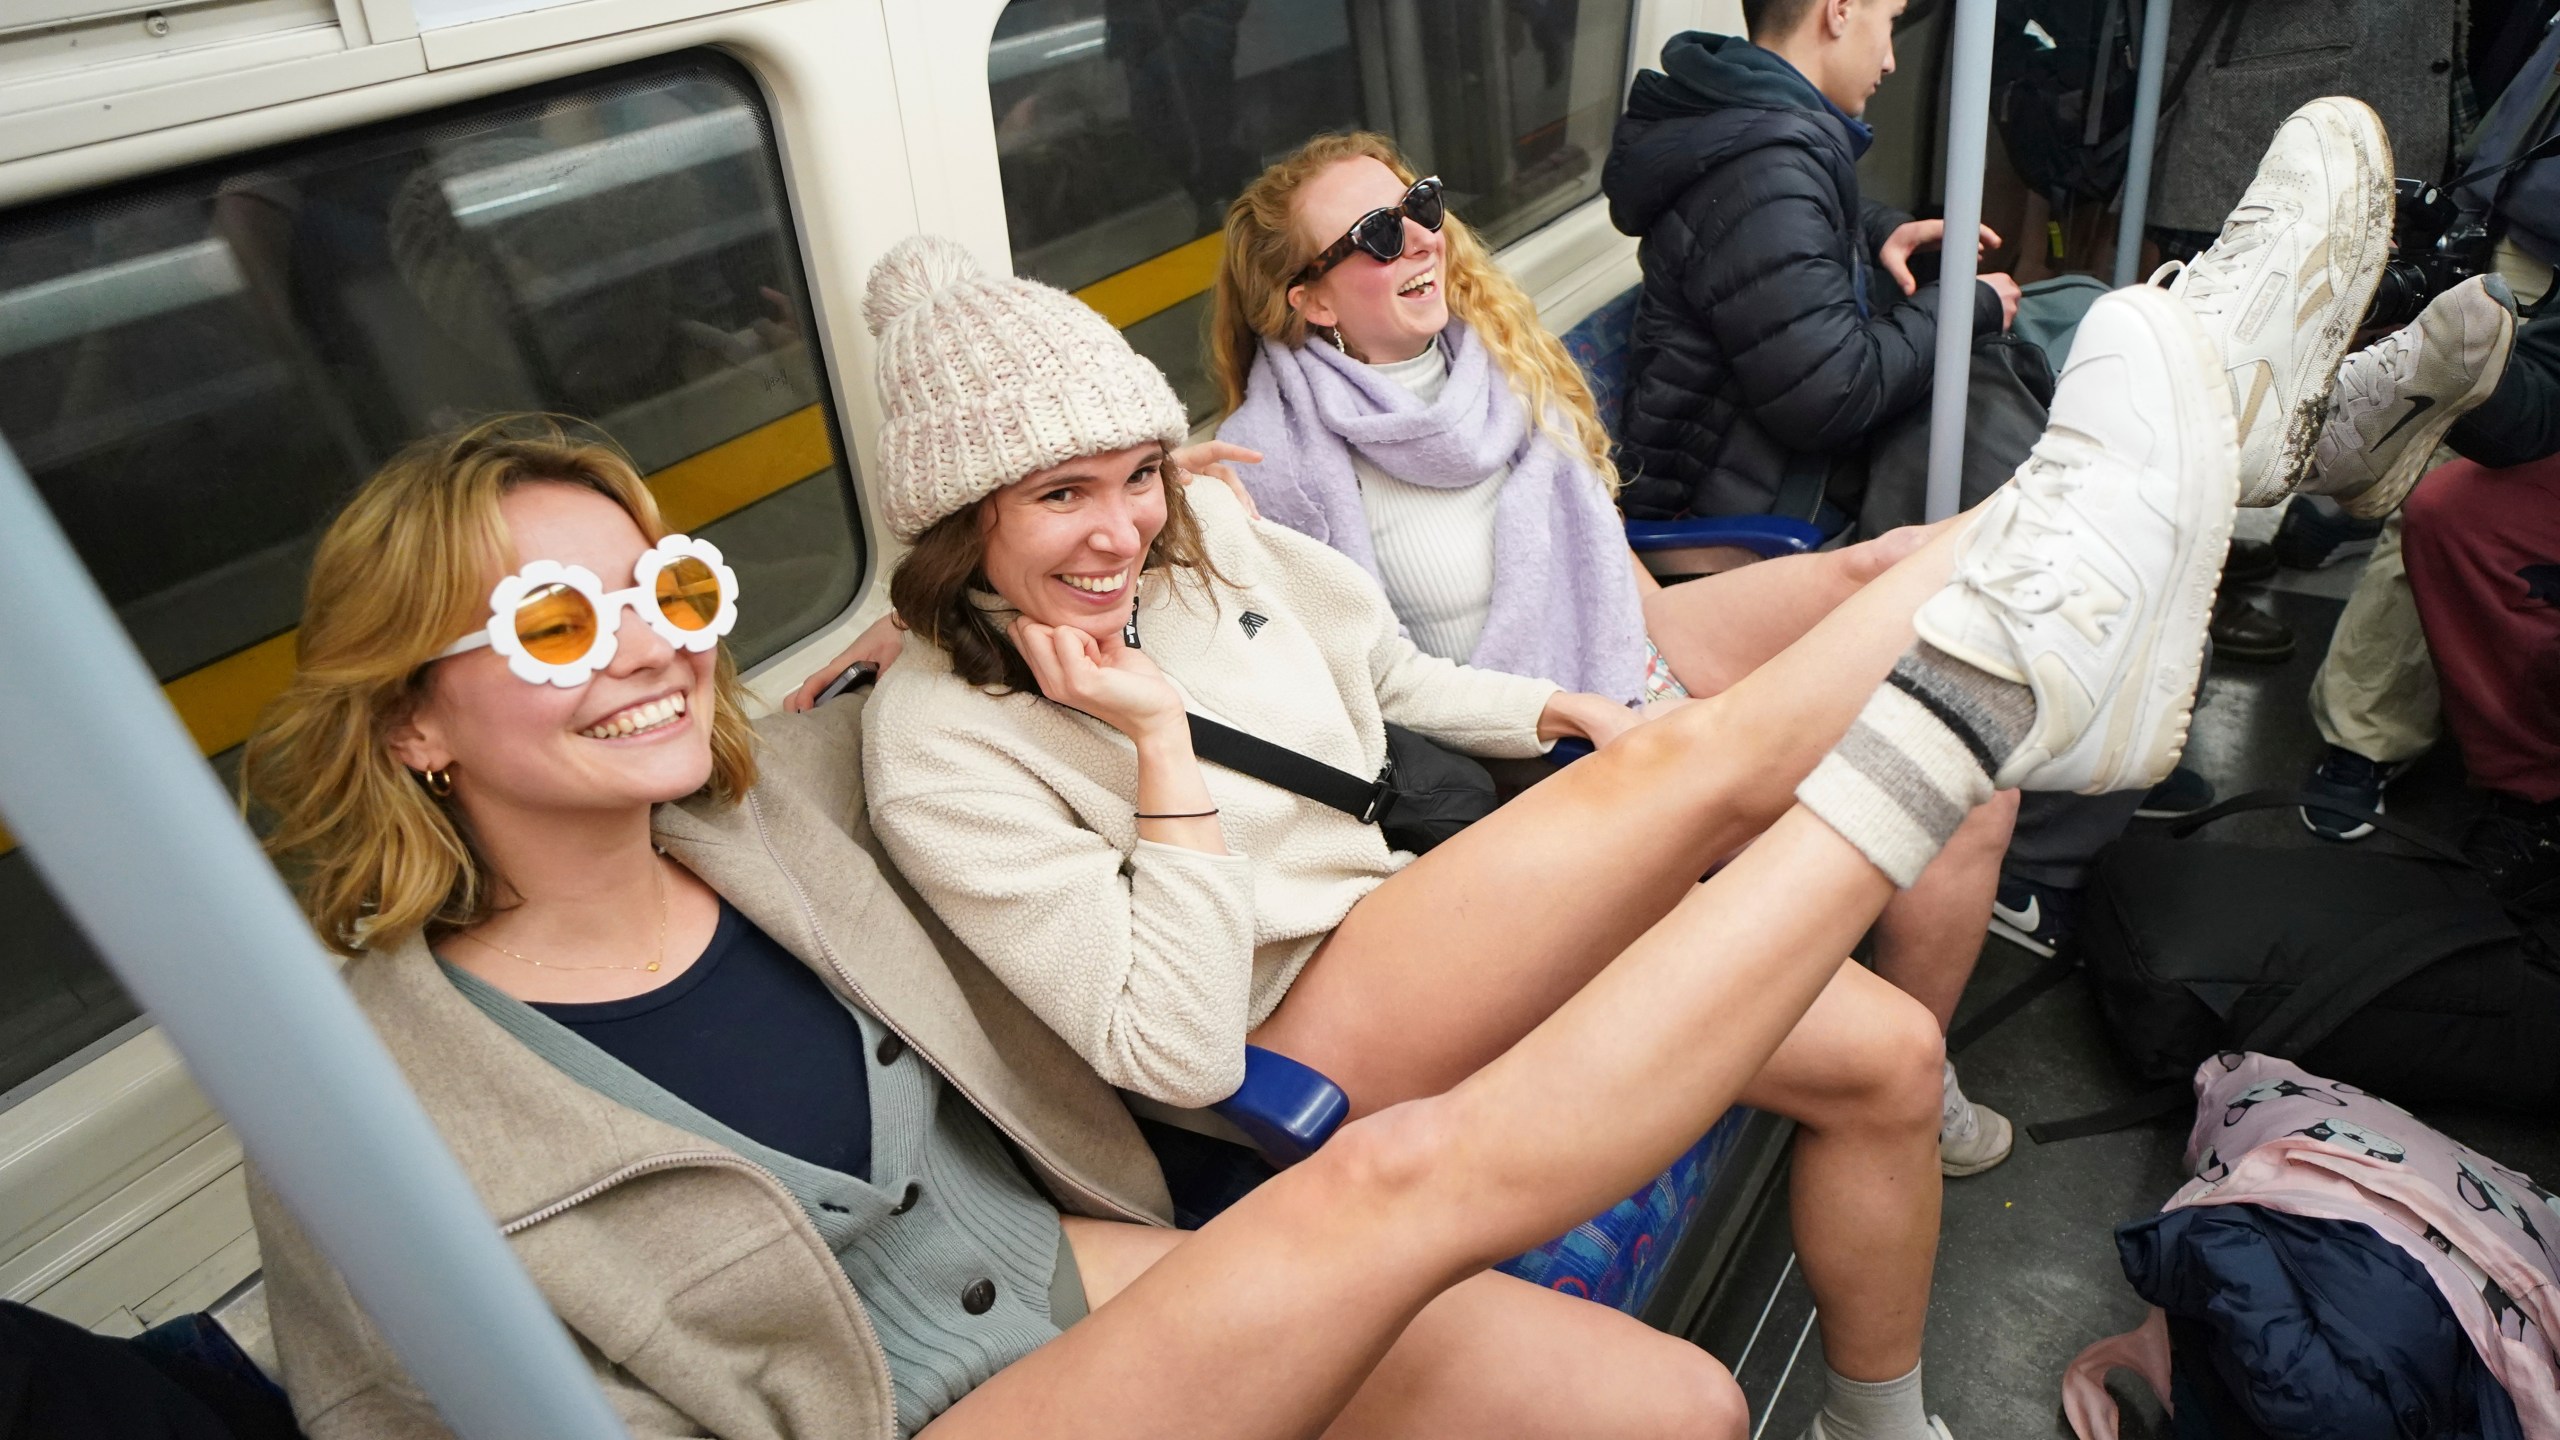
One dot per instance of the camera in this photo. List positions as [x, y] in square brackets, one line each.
[2435, 246]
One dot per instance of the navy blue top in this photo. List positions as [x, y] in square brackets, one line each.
[752, 1038]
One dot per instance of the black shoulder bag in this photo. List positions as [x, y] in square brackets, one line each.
[1423, 795]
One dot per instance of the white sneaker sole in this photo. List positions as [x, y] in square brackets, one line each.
[2359, 246]
[2384, 495]
[2148, 731]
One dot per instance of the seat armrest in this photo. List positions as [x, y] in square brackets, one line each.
[1766, 536]
[1287, 1109]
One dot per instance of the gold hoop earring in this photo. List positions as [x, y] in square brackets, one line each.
[439, 783]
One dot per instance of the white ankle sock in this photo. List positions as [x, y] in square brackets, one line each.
[1872, 1409]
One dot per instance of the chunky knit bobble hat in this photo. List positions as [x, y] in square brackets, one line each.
[987, 379]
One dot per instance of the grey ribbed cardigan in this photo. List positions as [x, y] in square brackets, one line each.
[973, 1218]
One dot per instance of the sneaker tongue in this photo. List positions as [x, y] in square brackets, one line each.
[1967, 626]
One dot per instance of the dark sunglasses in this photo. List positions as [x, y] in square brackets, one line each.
[1380, 233]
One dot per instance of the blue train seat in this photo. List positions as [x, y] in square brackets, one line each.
[1695, 545]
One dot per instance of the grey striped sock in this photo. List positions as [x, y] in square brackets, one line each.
[1917, 759]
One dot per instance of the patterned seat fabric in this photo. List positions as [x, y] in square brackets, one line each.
[1599, 345]
[1617, 1258]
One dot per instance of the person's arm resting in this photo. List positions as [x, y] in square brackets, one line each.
[1143, 963]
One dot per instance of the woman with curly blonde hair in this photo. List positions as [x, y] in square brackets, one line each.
[1404, 405]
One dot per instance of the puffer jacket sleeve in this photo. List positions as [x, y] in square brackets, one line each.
[1142, 962]
[1784, 310]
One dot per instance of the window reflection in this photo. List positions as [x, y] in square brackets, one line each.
[198, 369]
[1125, 126]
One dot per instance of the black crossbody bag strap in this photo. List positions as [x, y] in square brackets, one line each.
[1364, 800]
[2298, 799]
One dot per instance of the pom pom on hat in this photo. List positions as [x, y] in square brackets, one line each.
[989, 378]
[918, 269]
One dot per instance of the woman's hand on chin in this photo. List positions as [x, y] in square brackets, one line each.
[1595, 718]
[1123, 689]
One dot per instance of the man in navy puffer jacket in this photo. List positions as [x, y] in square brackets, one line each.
[1765, 345]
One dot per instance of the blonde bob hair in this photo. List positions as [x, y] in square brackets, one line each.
[402, 571]
[1265, 250]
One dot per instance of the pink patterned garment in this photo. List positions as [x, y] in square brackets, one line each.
[2270, 1134]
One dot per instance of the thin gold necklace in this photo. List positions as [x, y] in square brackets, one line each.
[659, 868]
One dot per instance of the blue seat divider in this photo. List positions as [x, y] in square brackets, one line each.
[1767, 536]
[1285, 1108]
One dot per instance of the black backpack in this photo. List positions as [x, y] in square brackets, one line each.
[2400, 974]
[2062, 81]
[2008, 401]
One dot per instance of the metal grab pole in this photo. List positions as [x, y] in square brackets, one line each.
[2146, 135]
[1968, 139]
[135, 836]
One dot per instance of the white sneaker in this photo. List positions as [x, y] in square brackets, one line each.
[2089, 577]
[2397, 397]
[1971, 1138]
[2283, 288]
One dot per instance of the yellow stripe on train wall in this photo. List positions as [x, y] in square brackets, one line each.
[1152, 287]
[219, 703]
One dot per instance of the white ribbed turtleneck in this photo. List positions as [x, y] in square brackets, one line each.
[1434, 544]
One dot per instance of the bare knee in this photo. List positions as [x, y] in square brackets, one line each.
[1906, 1067]
[1888, 1080]
[1394, 1165]
[1695, 1399]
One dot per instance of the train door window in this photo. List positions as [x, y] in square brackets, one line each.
[198, 369]
[1123, 128]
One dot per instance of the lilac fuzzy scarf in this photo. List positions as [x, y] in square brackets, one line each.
[1564, 598]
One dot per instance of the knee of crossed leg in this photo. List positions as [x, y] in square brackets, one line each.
[1902, 1061]
[1396, 1166]
[1692, 1397]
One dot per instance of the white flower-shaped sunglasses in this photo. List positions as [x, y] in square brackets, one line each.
[556, 623]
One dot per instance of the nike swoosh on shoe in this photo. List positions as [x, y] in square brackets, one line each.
[2418, 405]
[2027, 919]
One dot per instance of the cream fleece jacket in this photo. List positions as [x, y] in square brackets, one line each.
[1013, 816]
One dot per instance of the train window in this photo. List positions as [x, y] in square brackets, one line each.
[1125, 126]
[198, 369]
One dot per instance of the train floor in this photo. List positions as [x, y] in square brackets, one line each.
[2027, 1271]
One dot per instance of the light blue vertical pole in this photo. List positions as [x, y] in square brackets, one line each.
[1968, 139]
[134, 835]
[2146, 136]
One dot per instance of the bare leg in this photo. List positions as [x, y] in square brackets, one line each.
[1492, 1356]
[1453, 959]
[1717, 629]
[1270, 1321]
[1859, 1075]
[1930, 935]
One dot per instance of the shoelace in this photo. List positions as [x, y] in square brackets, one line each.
[2213, 277]
[2026, 552]
[2371, 380]
[2346, 767]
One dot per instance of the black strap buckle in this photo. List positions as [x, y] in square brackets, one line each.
[1381, 791]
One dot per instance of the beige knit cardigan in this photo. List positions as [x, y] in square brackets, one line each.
[1012, 816]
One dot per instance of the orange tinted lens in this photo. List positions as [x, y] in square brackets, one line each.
[688, 593]
[555, 624]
